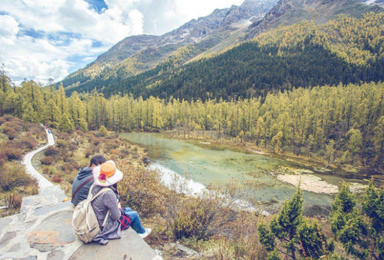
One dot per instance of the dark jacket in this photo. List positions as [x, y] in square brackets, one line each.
[106, 201]
[81, 177]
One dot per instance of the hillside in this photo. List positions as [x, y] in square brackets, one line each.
[136, 54]
[288, 12]
[347, 50]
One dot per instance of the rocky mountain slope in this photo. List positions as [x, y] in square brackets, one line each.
[139, 62]
[374, 2]
[136, 54]
[288, 12]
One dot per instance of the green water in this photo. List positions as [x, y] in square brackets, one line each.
[218, 165]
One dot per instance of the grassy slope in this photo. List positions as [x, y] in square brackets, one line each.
[16, 139]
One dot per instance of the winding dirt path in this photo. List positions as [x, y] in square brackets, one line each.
[27, 162]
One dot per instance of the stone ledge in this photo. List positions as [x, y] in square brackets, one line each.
[43, 231]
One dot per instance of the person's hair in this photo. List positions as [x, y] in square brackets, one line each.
[97, 160]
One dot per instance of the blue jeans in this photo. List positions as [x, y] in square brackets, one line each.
[135, 220]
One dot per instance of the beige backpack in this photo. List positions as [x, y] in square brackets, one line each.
[84, 221]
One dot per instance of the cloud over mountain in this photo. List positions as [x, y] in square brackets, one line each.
[48, 39]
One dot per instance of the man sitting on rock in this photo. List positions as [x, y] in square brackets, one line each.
[84, 180]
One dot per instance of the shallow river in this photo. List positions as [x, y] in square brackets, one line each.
[213, 164]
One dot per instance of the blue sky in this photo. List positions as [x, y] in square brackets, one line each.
[42, 39]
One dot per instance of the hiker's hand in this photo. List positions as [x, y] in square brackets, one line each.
[119, 205]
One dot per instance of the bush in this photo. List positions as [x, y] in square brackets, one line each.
[88, 152]
[12, 135]
[50, 170]
[72, 146]
[13, 175]
[28, 142]
[141, 189]
[96, 141]
[14, 200]
[111, 145]
[48, 160]
[51, 151]
[201, 218]
[123, 153]
[72, 164]
[57, 179]
[3, 158]
[60, 143]
[13, 153]
[8, 117]
[2, 120]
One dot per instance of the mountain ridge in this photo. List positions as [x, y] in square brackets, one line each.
[175, 56]
[134, 49]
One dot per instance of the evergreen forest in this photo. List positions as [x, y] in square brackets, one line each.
[345, 50]
[341, 124]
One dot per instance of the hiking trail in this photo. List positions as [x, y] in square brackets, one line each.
[42, 230]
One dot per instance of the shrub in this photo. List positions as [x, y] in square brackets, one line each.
[103, 131]
[69, 167]
[14, 175]
[72, 146]
[200, 218]
[60, 143]
[110, 146]
[13, 153]
[28, 142]
[3, 158]
[88, 152]
[14, 200]
[141, 189]
[2, 120]
[8, 117]
[51, 151]
[123, 153]
[48, 160]
[96, 141]
[50, 170]
[38, 132]
[57, 179]
[12, 134]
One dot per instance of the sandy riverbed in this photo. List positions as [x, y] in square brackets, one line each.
[309, 183]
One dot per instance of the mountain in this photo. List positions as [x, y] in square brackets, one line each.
[136, 54]
[345, 50]
[374, 2]
[288, 12]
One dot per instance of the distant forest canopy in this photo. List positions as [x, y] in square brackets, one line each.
[342, 124]
[345, 50]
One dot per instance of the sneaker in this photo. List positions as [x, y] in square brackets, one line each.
[147, 232]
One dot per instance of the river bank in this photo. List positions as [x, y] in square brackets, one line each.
[207, 162]
[342, 170]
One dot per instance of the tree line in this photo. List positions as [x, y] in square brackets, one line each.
[340, 124]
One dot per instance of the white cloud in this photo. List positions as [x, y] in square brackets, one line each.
[9, 27]
[135, 21]
[40, 39]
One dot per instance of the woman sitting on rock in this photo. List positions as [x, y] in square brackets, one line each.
[106, 176]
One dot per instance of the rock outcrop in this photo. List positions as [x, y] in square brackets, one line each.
[43, 230]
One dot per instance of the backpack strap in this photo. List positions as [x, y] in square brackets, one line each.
[106, 218]
[97, 194]
[81, 186]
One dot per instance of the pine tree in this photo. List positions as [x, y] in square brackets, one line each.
[65, 124]
[295, 234]
[51, 115]
[103, 130]
[29, 114]
[348, 224]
